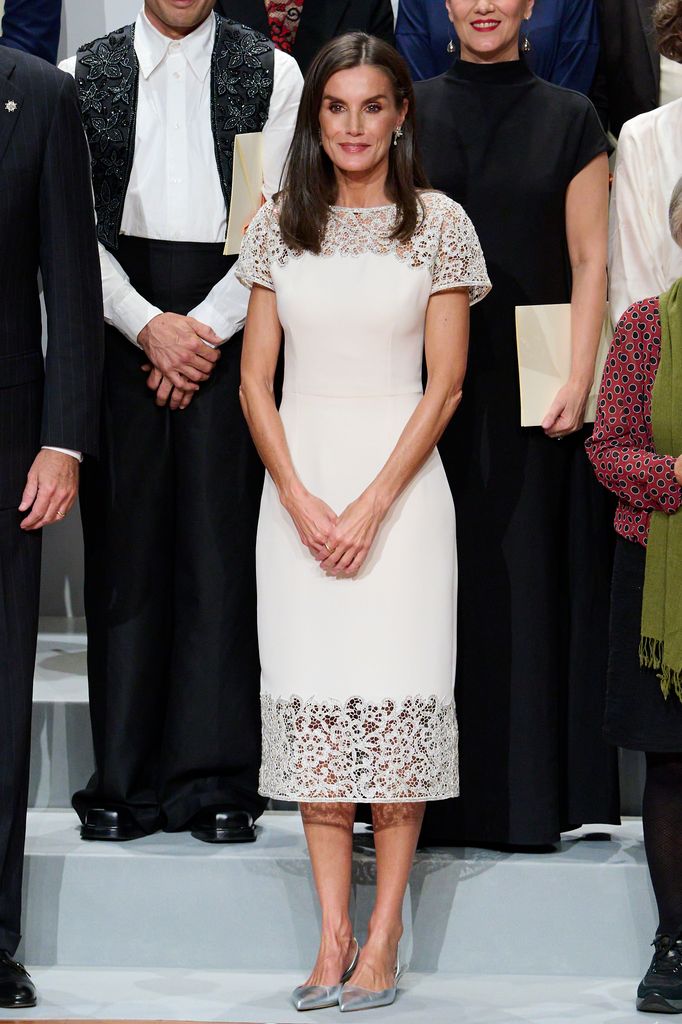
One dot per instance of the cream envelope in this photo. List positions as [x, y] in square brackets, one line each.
[247, 188]
[543, 339]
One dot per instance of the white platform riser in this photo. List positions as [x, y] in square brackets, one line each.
[170, 901]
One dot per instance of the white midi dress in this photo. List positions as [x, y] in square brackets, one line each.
[357, 689]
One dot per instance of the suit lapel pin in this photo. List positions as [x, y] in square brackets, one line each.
[10, 106]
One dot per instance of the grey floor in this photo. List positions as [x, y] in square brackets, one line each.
[262, 998]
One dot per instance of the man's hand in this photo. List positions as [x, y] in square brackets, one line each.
[166, 394]
[51, 489]
[174, 346]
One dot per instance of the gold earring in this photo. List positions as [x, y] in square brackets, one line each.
[397, 134]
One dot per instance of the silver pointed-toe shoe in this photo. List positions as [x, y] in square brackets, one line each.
[353, 997]
[319, 997]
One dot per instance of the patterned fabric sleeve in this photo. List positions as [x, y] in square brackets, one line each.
[253, 265]
[459, 260]
[621, 448]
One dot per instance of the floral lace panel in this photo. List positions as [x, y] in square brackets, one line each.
[445, 241]
[284, 18]
[322, 749]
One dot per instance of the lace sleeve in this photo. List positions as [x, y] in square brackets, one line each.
[459, 260]
[253, 265]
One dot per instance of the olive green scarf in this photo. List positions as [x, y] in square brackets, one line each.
[661, 641]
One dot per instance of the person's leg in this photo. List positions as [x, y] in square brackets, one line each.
[212, 735]
[396, 832]
[329, 834]
[19, 591]
[660, 990]
[662, 818]
[128, 527]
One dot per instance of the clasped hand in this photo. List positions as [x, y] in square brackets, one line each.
[342, 543]
[179, 359]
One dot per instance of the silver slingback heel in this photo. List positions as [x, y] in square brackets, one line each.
[319, 997]
[355, 998]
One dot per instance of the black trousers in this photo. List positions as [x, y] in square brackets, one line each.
[19, 599]
[169, 516]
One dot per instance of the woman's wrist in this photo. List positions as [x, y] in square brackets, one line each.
[582, 382]
[380, 498]
[290, 491]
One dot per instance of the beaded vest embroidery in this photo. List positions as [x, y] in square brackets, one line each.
[107, 75]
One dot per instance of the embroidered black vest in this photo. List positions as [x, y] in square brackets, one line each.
[107, 76]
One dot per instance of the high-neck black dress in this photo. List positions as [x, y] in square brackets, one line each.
[534, 527]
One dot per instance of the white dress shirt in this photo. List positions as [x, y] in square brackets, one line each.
[174, 191]
[643, 258]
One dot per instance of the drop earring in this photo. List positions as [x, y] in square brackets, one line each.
[451, 46]
[397, 134]
[525, 42]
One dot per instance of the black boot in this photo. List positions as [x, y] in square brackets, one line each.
[16, 988]
[660, 990]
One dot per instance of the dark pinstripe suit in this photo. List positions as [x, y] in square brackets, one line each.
[46, 224]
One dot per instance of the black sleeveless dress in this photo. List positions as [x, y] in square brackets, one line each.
[534, 527]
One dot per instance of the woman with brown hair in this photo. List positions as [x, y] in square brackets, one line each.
[366, 270]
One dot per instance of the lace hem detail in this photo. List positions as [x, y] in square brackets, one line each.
[445, 241]
[377, 752]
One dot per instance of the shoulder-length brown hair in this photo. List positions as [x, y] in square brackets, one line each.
[667, 18]
[309, 183]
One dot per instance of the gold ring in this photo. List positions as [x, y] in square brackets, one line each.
[327, 547]
[61, 515]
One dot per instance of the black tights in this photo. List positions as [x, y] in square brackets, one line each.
[662, 814]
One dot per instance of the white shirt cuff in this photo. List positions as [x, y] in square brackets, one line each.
[131, 313]
[222, 323]
[64, 451]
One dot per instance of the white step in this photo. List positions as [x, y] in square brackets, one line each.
[260, 997]
[170, 901]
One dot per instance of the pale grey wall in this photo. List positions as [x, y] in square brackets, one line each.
[83, 20]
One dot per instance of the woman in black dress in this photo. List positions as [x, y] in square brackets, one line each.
[528, 161]
[635, 460]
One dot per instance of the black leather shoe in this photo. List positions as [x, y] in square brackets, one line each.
[223, 825]
[106, 823]
[660, 990]
[16, 988]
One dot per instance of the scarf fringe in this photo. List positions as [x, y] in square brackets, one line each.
[651, 655]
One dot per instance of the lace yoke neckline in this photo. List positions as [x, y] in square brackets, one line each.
[362, 209]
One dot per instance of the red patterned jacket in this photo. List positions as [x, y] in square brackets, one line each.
[621, 448]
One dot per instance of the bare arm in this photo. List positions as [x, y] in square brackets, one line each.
[587, 200]
[446, 346]
[262, 341]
